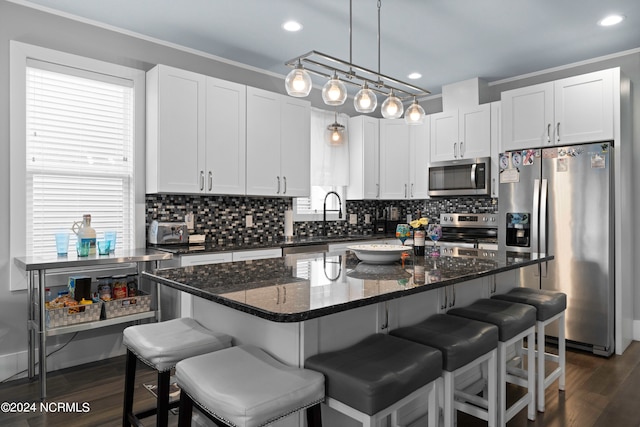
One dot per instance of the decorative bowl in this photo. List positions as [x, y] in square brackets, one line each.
[379, 254]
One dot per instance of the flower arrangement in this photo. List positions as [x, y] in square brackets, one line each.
[421, 222]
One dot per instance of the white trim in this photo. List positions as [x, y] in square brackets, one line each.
[636, 330]
[566, 66]
[143, 37]
[18, 54]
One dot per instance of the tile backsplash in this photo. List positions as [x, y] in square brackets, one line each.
[222, 218]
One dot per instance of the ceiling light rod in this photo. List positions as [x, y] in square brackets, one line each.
[377, 80]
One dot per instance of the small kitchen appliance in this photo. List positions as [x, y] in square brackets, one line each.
[168, 233]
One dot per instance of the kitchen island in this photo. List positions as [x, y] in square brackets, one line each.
[303, 304]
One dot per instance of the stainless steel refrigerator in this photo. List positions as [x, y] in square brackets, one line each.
[559, 201]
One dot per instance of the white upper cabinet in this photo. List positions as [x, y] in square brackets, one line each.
[496, 146]
[364, 158]
[584, 108]
[226, 137]
[295, 147]
[175, 130]
[394, 159]
[195, 133]
[419, 160]
[527, 117]
[278, 144]
[572, 110]
[461, 134]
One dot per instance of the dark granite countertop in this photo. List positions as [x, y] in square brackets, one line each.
[241, 245]
[305, 286]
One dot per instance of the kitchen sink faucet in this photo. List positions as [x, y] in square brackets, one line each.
[324, 211]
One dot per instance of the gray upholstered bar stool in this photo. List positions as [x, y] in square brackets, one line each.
[161, 346]
[514, 321]
[465, 345]
[375, 377]
[550, 306]
[243, 386]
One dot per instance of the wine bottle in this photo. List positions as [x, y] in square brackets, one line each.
[418, 241]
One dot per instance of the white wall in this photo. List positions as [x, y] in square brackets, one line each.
[39, 28]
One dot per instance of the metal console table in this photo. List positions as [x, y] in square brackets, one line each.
[36, 322]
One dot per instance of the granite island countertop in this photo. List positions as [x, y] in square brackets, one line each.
[299, 287]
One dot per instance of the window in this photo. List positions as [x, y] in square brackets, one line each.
[79, 128]
[310, 208]
[76, 146]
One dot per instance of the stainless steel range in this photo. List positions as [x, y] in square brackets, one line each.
[469, 230]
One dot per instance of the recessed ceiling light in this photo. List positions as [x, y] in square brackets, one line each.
[611, 20]
[292, 26]
[414, 76]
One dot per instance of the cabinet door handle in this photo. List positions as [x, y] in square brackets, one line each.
[284, 180]
[461, 149]
[201, 180]
[405, 191]
[558, 132]
[548, 133]
[278, 190]
[210, 180]
[455, 155]
[412, 190]
[377, 191]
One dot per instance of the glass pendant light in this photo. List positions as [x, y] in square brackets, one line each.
[392, 107]
[366, 100]
[414, 114]
[298, 82]
[335, 133]
[334, 92]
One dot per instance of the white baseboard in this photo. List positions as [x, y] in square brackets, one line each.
[636, 330]
[83, 349]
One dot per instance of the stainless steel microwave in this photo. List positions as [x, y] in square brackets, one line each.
[466, 177]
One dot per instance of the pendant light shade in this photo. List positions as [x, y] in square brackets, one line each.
[334, 92]
[392, 107]
[298, 82]
[414, 114]
[335, 133]
[366, 100]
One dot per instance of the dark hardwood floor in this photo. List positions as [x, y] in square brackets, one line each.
[600, 392]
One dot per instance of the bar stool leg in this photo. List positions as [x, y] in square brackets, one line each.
[561, 351]
[492, 389]
[502, 383]
[531, 375]
[449, 408]
[162, 417]
[314, 416]
[129, 384]
[541, 371]
[185, 410]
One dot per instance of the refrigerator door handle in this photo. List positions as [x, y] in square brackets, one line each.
[535, 218]
[543, 223]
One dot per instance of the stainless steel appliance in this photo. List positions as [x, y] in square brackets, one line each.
[466, 177]
[168, 233]
[469, 230]
[559, 201]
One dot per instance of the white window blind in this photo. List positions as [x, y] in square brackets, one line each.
[79, 154]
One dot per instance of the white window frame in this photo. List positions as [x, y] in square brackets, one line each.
[316, 215]
[19, 53]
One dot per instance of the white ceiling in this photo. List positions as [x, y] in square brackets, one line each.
[445, 40]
